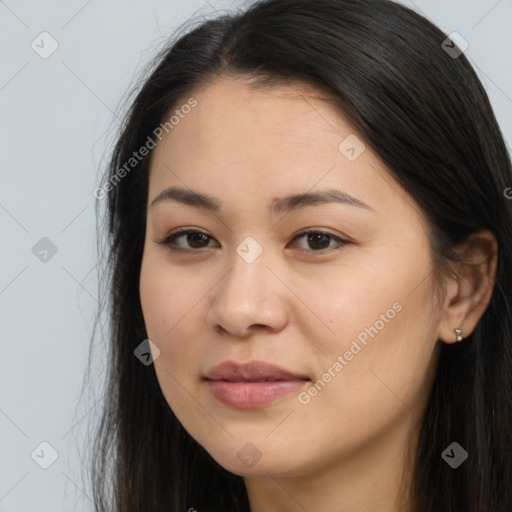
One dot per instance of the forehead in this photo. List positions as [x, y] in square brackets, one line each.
[232, 115]
[254, 143]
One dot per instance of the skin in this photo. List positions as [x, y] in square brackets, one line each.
[298, 305]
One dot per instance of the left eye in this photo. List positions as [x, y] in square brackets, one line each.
[317, 240]
[320, 240]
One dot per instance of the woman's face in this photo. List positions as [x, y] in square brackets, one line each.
[347, 310]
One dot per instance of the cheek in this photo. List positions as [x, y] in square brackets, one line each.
[385, 366]
[346, 308]
[376, 347]
[171, 319]
[378, 301]
[167, 298]
[173, 310]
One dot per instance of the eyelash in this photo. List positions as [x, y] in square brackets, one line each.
[170, 240]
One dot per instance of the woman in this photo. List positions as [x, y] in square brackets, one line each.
[310, 272]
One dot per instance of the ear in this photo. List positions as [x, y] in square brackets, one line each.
[468, 295]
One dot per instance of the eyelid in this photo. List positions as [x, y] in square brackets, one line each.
[341, 242]
[177, 233]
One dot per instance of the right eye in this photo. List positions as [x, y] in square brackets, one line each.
[194, 238]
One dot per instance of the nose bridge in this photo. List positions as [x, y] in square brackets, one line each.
[249, 293]
[248, 279]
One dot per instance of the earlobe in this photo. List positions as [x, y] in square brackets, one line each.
[468, 297]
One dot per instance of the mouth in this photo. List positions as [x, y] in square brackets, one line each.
[252, 384]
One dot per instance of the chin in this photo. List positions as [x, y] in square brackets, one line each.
[260, 468]
[247, 459]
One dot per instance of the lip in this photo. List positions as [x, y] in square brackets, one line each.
[252, 384]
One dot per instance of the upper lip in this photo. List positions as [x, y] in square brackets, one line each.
[251, 371]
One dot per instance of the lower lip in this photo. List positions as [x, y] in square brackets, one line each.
[246, 395]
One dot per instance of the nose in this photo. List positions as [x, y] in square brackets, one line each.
[248, 297]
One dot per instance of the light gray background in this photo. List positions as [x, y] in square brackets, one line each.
[58, 123]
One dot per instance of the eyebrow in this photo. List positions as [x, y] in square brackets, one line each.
[277, 205]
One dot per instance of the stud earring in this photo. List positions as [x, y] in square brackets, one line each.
[458, 333]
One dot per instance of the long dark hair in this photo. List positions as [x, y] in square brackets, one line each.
[424, 112]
